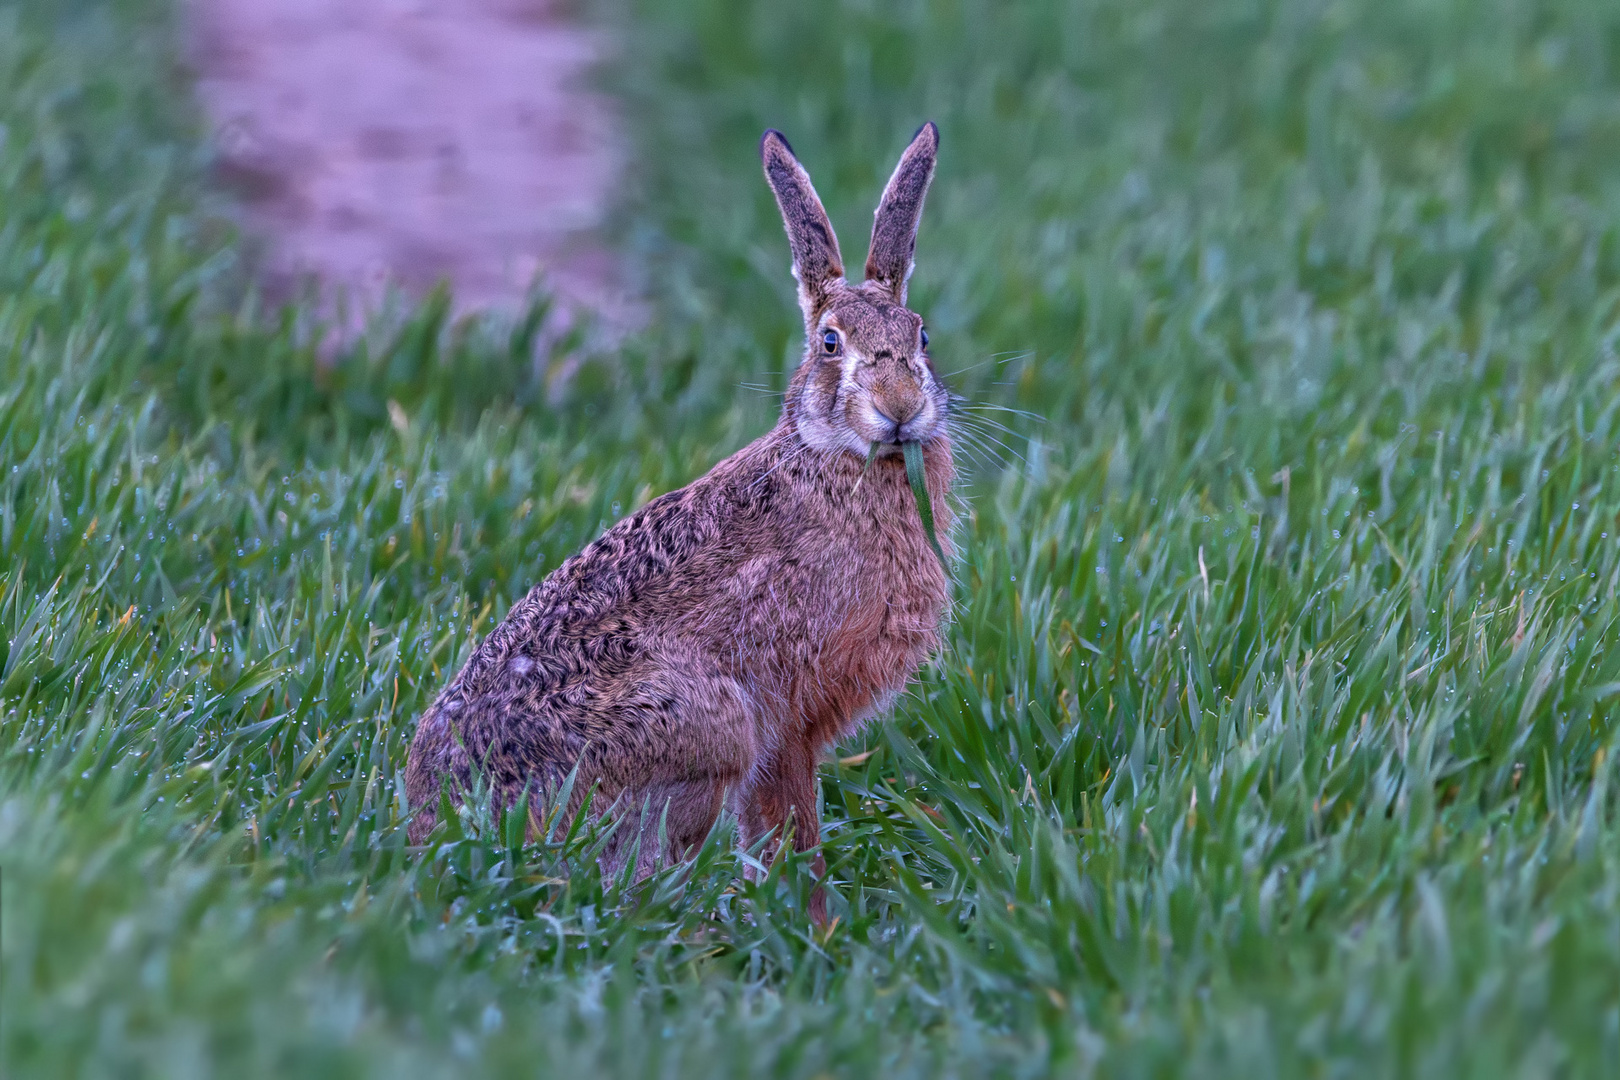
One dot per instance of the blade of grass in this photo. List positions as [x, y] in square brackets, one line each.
[919, 488]
[871, 456]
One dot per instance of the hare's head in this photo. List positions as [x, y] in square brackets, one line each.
[866, 376]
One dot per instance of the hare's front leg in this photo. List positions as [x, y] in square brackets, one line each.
[784, 792]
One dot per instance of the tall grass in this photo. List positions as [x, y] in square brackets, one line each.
[1275, 730]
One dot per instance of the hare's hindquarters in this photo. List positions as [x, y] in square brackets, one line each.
[681, 737]
[662, 824]
[436, 755]
[655, 748]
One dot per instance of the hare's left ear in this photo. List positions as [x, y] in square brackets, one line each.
[894, 232]
[816, 262]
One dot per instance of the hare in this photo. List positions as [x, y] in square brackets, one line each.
[714, 643]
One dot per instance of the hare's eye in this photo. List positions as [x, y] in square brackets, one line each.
[829, 341]
[924, 332]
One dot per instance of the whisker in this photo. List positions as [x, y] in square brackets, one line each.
[984, 423]
[787, 458]
[968, 405]
[989, 438]
[966, 436]
[984, 418]
[993, 358]
[980, 442]
[978, 457]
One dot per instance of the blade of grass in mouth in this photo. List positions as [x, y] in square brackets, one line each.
[919, 488]
[871, 455]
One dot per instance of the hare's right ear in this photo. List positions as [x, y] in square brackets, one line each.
[894, 228]
[816, 262]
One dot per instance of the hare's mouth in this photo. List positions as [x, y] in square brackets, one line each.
[881, 426]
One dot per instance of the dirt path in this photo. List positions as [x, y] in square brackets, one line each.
[409, 141]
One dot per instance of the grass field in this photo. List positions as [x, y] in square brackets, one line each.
[1276, 734]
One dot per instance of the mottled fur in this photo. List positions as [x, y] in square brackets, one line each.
[713, 643]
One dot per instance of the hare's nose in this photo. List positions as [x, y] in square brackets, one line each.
[898, 412]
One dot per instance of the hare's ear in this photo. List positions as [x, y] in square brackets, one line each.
[816, 262]
[894, 232]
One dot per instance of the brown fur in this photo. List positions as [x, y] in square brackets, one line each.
[713, 643]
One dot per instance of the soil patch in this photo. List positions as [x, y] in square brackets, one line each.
[405, 142]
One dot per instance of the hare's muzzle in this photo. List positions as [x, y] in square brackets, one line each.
[899, 406]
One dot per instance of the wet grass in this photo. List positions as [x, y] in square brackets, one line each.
[1275, 734]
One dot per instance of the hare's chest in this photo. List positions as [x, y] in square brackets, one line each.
[878, 642]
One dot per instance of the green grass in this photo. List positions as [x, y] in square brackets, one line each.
[1275, 735]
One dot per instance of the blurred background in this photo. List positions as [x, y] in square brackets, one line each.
[1102, 162]
[403, 143]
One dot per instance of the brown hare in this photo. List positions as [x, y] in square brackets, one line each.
[714, 643]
